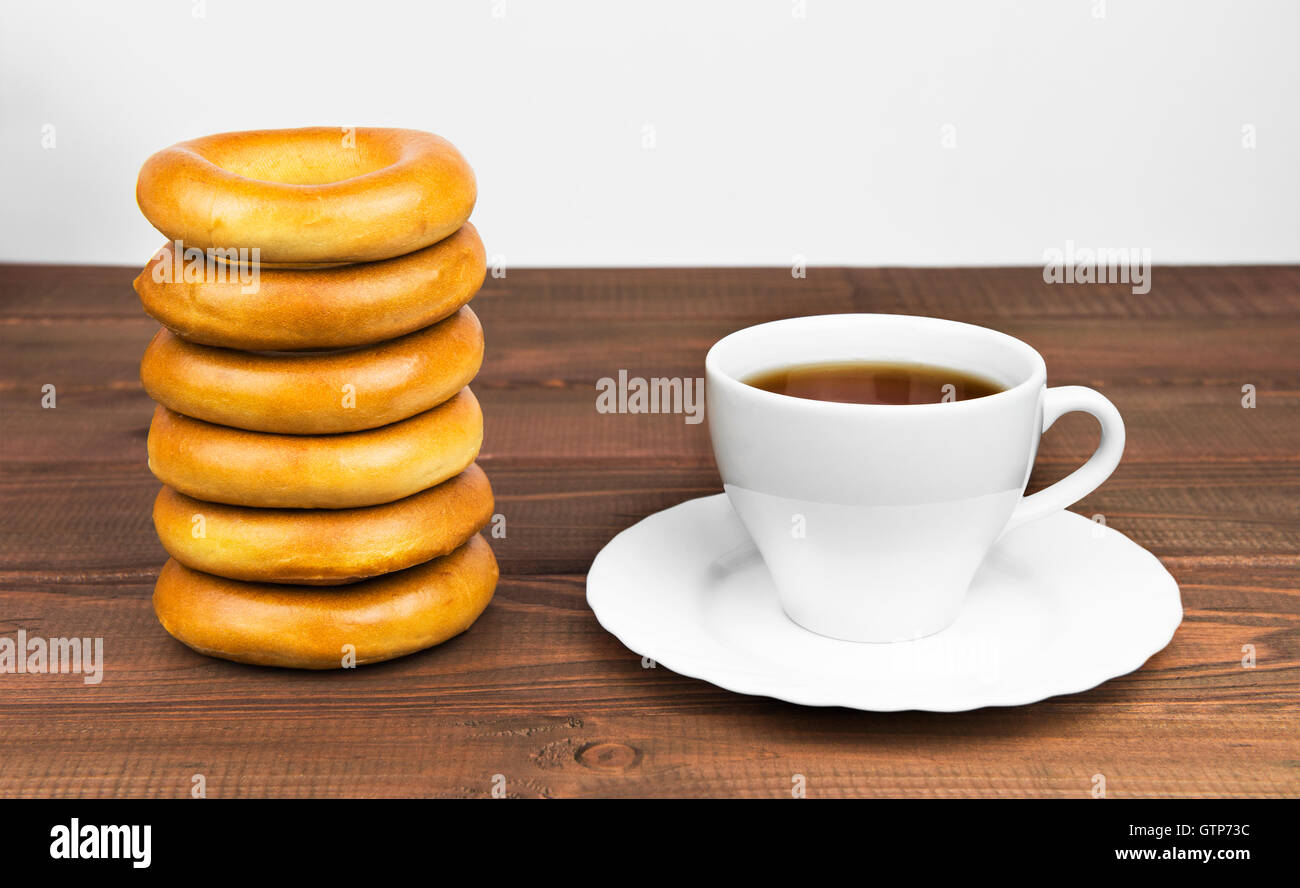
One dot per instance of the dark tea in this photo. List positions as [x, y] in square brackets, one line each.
[871, 382]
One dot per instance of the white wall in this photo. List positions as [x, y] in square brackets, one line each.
[775, 134]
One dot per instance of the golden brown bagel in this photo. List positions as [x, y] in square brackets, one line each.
[326, 308]
[225, 465]
[313, 393]
[322, 547]
[312, 195]
[308, 627]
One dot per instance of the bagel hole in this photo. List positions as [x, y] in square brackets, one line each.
[317, 157]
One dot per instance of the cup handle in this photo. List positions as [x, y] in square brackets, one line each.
[1088, 477]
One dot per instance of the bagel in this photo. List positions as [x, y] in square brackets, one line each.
[326, 308]
[312, 195]
[312, 393]
[284, 545]
[224, 465]
[308, 627]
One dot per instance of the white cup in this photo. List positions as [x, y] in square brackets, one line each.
[873, 519]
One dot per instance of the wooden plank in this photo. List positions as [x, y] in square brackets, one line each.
[88, 528]
[580, 716]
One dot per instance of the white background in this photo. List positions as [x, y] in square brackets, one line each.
[780, 127]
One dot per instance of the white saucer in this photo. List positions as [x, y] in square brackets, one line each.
[1059, 606]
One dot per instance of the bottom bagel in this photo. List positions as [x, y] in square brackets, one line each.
[310, 627]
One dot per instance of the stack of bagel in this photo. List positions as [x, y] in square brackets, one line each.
[315, 433]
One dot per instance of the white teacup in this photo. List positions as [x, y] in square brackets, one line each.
[873, 519]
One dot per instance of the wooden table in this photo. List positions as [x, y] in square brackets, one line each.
[536, 691]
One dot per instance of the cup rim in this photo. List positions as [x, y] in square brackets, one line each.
[1037, 376]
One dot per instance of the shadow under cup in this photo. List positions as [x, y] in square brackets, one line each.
[873, 519]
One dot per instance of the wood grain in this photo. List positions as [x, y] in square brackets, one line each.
[536, 691]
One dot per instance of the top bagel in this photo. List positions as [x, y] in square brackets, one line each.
[317, 195]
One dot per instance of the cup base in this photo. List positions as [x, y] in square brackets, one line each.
[872, 637]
